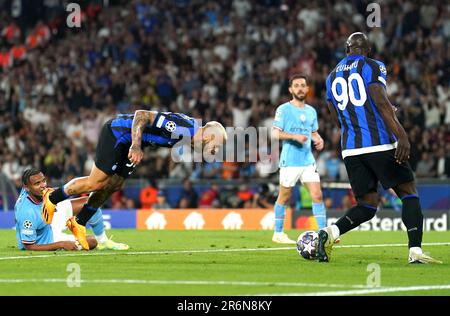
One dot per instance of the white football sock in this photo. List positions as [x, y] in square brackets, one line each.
[335, 232]
[101, 238]
[415, 250]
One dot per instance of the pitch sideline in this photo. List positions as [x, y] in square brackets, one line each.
[366, 291]
[357, 289]
[188, 282]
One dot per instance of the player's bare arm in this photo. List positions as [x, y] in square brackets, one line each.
[384, 106]
[281, 135]
[317, 140]
[66, 245]
[140, 120]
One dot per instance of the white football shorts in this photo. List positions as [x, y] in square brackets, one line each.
[290, 175]
[63, 212]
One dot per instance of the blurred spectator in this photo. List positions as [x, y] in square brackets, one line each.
[189, 197]
[121, 201]
[346, 202]
[443, 163]
[432, 115]
[161, 202]
[11, 168]
[245, 196]
[247, 170]
[148, 196]
[265, 197]
[332, 166]
[211, 170]
[230, 170]
[425, 167]
[209, 198]
[75, 130]
[11, 32]
[241, 114]
[328, 201]
[213, 66]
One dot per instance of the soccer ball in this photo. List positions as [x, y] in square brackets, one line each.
[307, 244]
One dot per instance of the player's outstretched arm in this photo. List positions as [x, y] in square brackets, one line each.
[140, 120]
[66, 245]
[384, 106]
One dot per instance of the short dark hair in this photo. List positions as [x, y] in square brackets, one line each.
[27, 174]
[357, 40]
[297, 76]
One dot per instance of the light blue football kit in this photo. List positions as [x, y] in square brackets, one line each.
[297, 120]
[31, 228]
[292, 119]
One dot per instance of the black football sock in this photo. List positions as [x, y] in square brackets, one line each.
[58, 195]
[354, 217]
[85, 214]
[412, 217]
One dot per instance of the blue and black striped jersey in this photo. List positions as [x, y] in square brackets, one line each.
[362, 127]
[166, 130]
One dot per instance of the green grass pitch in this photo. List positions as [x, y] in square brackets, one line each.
[222, 263]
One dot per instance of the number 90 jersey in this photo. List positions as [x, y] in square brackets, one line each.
[362, 127]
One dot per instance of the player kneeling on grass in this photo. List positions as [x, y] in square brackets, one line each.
[34, 234]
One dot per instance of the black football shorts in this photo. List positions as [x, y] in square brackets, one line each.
[366, 170]
[112, 157]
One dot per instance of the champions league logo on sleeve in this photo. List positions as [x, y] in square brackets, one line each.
[171, 126]
[277, 116]
[27, 224]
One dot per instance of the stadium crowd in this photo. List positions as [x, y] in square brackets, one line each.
[228, 61]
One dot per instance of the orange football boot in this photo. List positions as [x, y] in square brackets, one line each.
[48, 208]
[79, 231]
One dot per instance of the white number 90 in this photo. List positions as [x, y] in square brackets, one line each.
[348, 92]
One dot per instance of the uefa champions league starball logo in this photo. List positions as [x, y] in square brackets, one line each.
[171, 126]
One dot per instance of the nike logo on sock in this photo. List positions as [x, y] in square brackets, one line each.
[349, 219]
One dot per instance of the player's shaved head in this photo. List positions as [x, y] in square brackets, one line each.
[357, 43]
[216, 129]
[214, 136]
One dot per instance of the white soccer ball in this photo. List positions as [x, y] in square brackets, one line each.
[307, 244]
